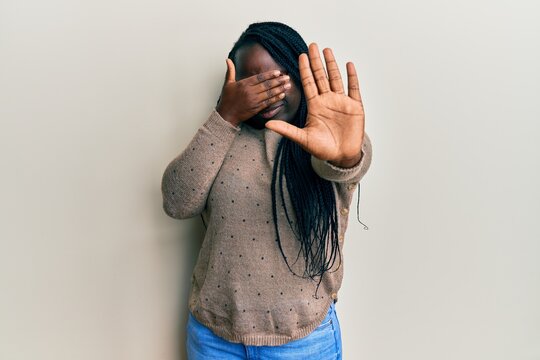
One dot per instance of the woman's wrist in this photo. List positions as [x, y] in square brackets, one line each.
[348, 163]
[227, 116]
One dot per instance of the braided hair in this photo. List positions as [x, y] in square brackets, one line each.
[312, 197]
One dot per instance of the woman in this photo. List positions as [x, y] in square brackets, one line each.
[272, 172]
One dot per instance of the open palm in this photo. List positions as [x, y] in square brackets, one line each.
[334, 128]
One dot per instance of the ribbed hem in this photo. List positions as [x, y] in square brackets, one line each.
[258, 339]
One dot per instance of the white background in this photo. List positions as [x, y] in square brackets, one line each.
[97, 97]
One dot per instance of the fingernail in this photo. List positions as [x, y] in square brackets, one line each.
[286, 77]
[287, 85]
[282, 95]
[277, 72]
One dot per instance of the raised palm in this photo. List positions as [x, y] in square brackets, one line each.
[334, 128]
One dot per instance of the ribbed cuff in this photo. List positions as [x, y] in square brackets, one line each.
[220, 127]
[334, 173]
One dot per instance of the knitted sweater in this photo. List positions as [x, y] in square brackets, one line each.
[241, 286]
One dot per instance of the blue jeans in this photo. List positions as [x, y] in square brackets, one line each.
[323, 343]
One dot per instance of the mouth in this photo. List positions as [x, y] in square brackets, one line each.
[271, 111]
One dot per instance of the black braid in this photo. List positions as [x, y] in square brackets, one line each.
[312, 198]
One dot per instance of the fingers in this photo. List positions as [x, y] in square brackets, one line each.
[266, 102]
[231, 71]
[272, 90]
[318, 70]
[277, 91]
[261, 77]
[308, 82]
[336, 84]
[272, 83]
[352, 80]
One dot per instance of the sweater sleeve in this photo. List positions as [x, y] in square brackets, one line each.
[188, 178]
[338, 174]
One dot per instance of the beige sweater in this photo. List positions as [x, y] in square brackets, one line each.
[241, 287]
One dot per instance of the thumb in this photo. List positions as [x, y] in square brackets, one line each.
[231, 72]
[289, 131]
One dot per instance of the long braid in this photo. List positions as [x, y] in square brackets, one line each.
[313, 198]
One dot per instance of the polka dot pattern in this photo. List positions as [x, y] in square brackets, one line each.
[240, 272]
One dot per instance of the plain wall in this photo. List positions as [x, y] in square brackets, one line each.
[97, 97]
